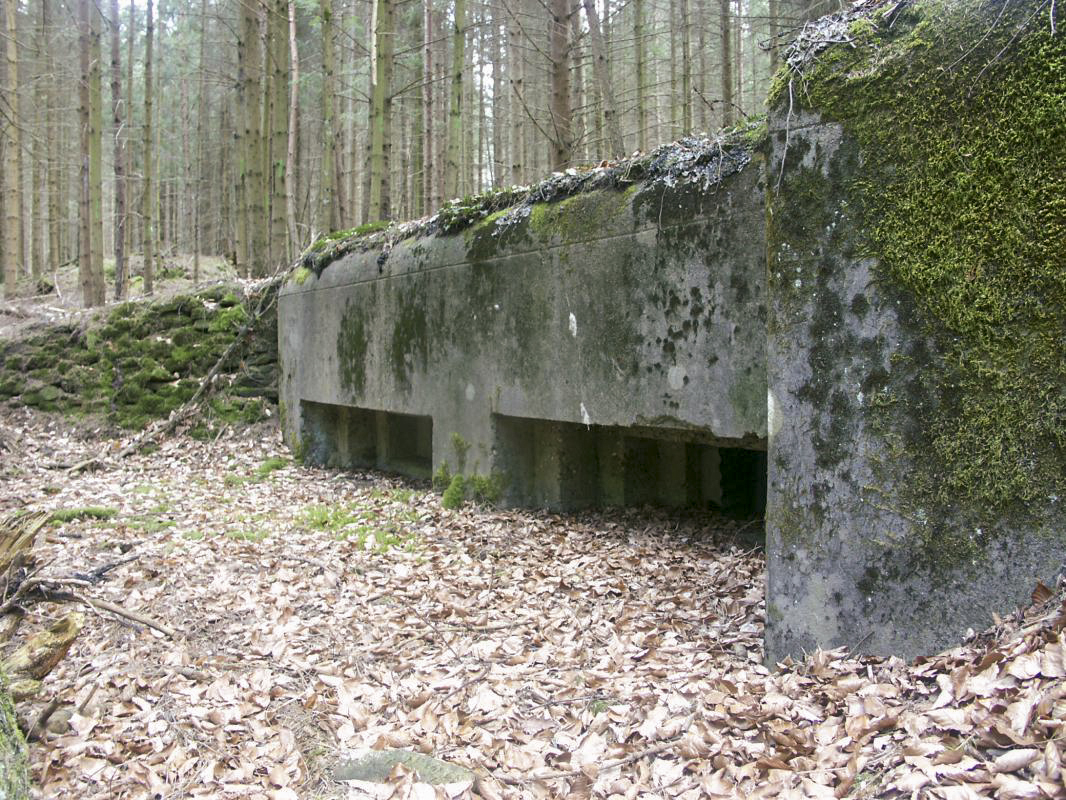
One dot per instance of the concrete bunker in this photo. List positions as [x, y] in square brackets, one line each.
[878, 321]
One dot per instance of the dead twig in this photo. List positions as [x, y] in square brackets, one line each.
[104, 605]
[573, 773]
[42, 718]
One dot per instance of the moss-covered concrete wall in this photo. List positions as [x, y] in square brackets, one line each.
[917, 325]
[635, 304]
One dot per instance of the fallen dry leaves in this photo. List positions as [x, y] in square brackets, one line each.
[610, 655]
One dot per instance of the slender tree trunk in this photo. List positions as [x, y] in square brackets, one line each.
[701, 80]
[725, 20]
[292, 183]
[516, 74]
[561, 113]
[12, 193]
[686, 68]
[251, 225]
[377, 206]
[96, 160]
[277, 37]
[147, 196]
[328, 218]
[130, 227]
[51, 141]
[455, 113]
[774, 14]
[121, 283]
[641, 69]
[85, 275]
[738, 60]
[499, 99]
[199, 196]
[39, 155]
[599, 62]
[428, 162]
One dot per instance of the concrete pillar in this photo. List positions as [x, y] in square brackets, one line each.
[710, 476]
[610, 453]
[673, 474]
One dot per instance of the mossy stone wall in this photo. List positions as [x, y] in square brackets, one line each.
[917, 351]
[138, 361]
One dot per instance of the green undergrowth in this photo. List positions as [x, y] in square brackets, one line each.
[958, 111]
[90, 512]
[376, 530]
[457, 490]
[138, 361]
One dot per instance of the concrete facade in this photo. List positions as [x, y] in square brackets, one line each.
[597, 350]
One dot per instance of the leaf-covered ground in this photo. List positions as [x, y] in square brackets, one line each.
[610, 655]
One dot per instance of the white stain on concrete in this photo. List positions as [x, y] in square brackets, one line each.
[774, 418]
[470, 392]
[585, 418]
[676, 377]
[573, 325]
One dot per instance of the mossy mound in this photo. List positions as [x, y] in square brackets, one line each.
[139, 361]
[958, 112]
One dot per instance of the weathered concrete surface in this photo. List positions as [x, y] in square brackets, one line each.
[916, 458]
[619, 315]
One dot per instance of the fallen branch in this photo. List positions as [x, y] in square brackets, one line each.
[104, 605]
[573, 773]
[42, 719]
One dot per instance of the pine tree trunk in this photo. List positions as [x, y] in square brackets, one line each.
[85, 264]
[561, 112]
[599, 63]
[292, 183]
[428, 162]
[277, 36]
[455, 113]
[725, 20]
[516, 71]
[686, 68]
[199, 196]
[51, 141]
[130, 42]
[147, 204]
[119, 159]
[38, 153]
[328, 217]
[12, 193]
[641, 76]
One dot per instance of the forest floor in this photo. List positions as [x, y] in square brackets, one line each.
[63, 302]
[600, 655]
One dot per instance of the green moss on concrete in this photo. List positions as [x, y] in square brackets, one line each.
[352, 348]
[579, 218]
[962, 197]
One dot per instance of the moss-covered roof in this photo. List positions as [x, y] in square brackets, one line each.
[692, 160]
